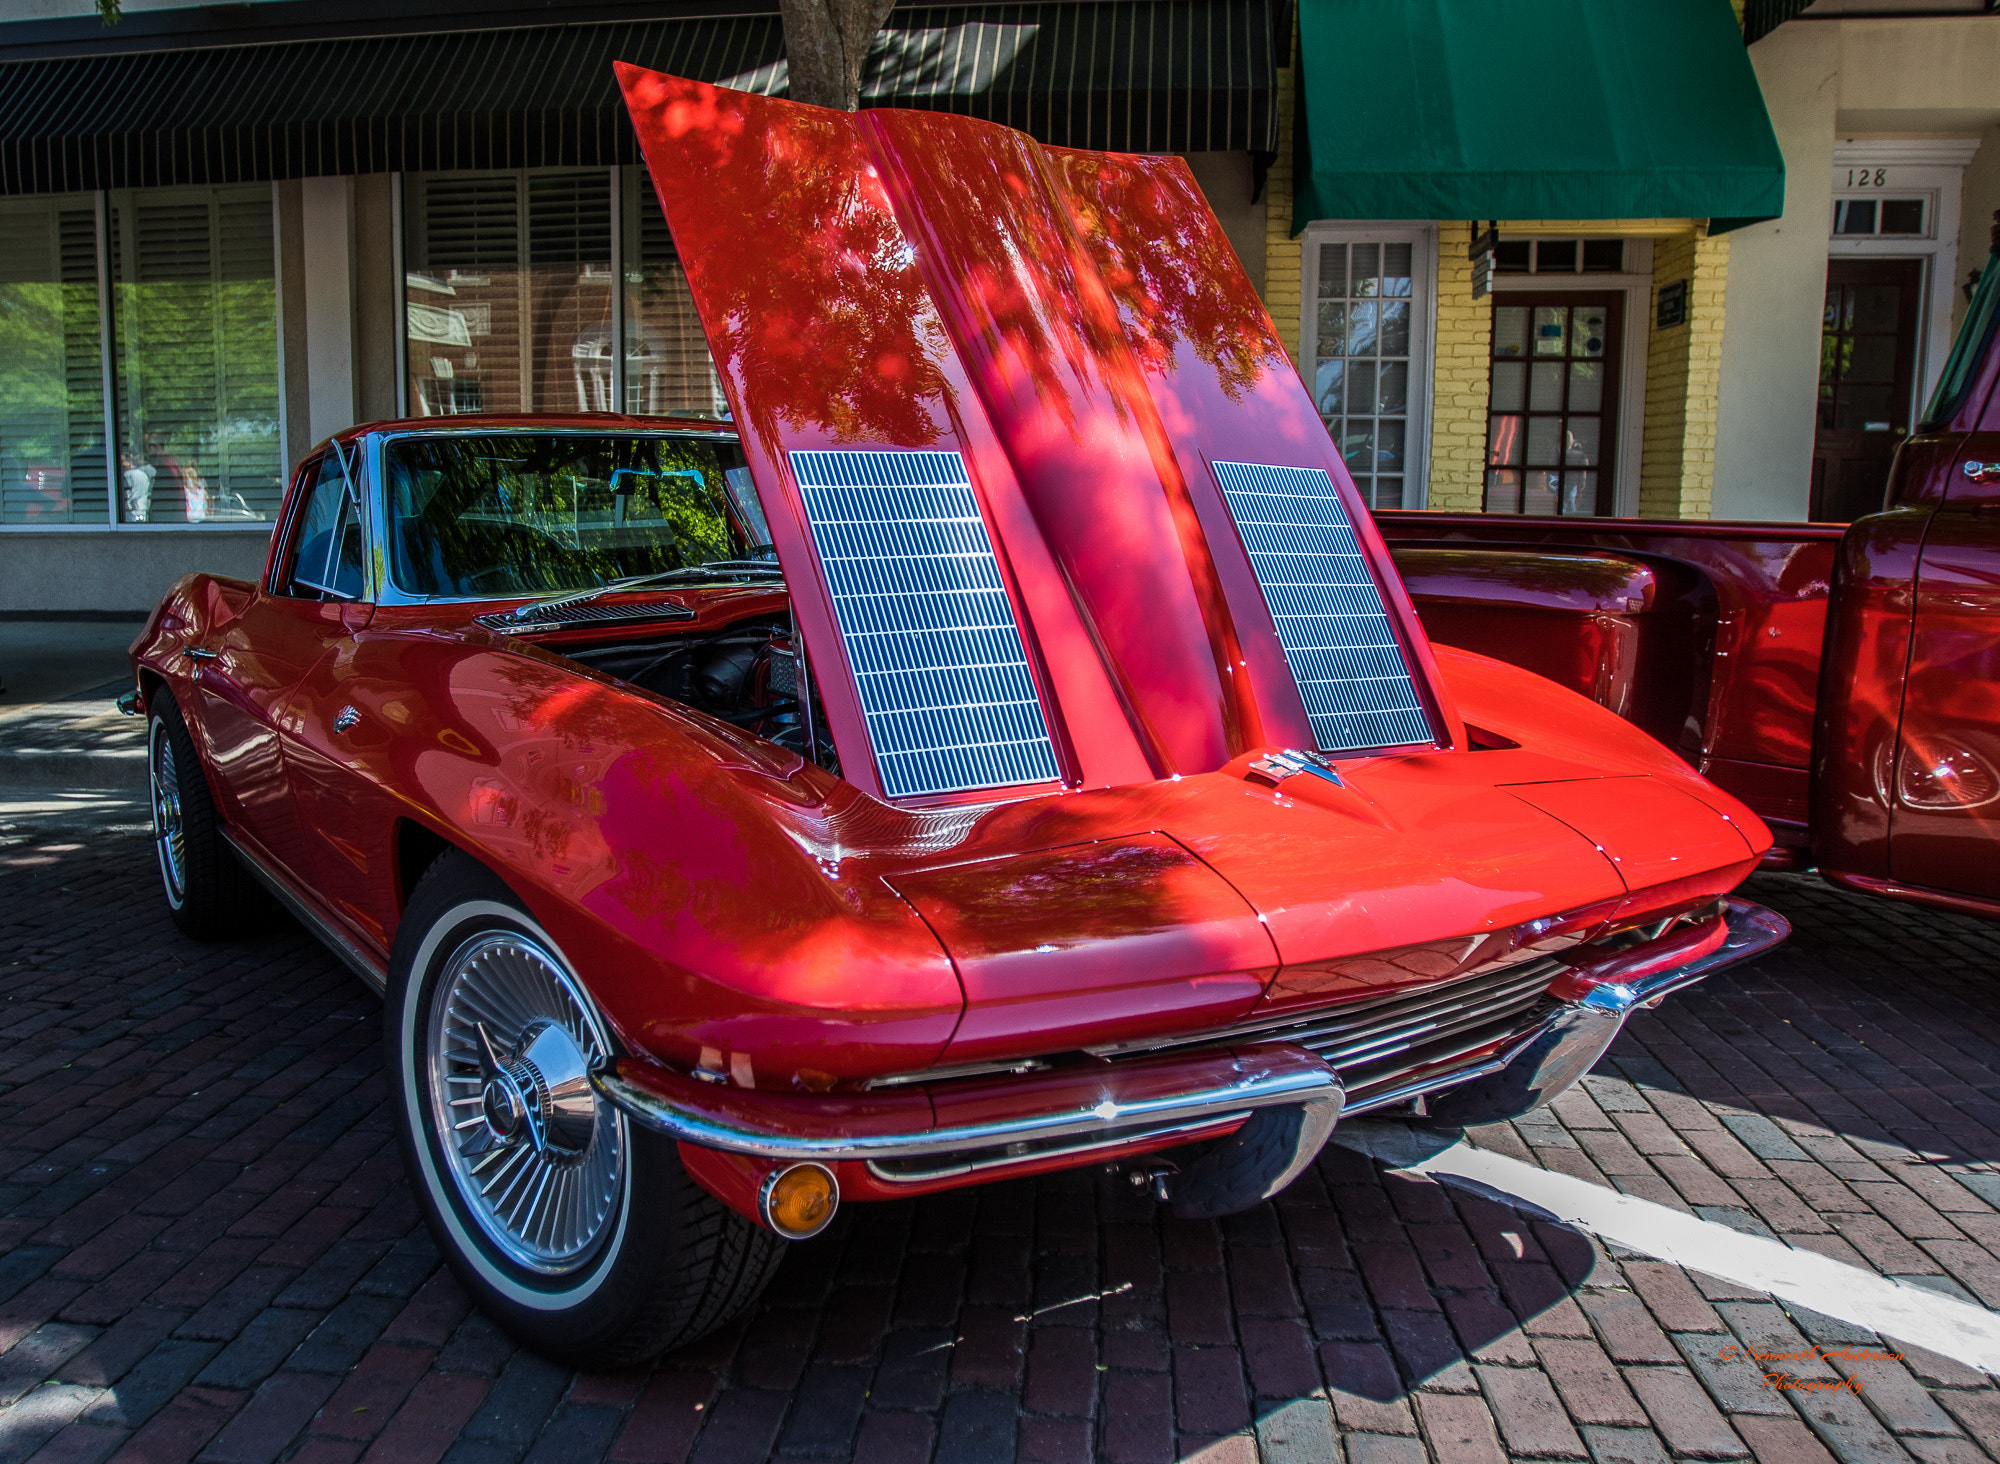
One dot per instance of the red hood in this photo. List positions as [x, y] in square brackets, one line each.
[1077, 328]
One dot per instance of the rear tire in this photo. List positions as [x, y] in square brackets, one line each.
[576, 1230]
[210, 895]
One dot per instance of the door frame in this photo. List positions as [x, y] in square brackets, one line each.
[1422, 236]
[1935, 169]
[1905, 401]
[1638, 328]
[1525, 290]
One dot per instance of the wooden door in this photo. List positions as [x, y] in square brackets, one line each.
[1552, 428]
[1867, 378]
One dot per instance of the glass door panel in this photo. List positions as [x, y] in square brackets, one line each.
[1551, 424]
[1361, 370]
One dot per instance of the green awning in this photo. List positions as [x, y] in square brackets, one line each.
[1531, 109]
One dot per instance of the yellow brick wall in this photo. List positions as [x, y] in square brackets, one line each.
[1283, 272]
[1683, 375]
[1460, 372]
[1677, 465]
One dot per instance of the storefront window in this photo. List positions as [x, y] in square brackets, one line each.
[1364, 337]
[667, 366]
[194, 324]
[510, 303]
[52, 464]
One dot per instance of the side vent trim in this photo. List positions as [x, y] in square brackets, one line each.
[1331, 621]
[930, 632]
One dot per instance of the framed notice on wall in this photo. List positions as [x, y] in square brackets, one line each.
[1672, 306]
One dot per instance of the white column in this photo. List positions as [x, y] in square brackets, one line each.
[1767, 412]
[327, 223]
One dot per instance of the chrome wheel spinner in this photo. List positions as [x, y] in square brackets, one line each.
[538, 1158]
[169, 830]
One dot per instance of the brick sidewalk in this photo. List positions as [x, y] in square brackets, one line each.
[210, 1252]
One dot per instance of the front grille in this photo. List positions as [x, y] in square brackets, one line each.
[1378, 1043]
[506, 622]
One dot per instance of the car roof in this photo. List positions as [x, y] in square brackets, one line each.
[547, 421]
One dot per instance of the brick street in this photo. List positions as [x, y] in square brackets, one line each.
[209, 1251]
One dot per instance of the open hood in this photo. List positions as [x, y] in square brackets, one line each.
[1054, 505]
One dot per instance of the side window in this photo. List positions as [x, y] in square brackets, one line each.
[327, 553]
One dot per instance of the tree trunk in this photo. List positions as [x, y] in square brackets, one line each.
[825, 43]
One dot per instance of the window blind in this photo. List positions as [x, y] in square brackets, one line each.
[510, 292]
[667, 365]
[196, 353]
[510, 303]
[51, 367]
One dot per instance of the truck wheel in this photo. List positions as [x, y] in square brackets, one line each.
[209, 893]
[578, 1232]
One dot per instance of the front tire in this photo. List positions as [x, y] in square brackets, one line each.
[577, 1231]
[210, 895]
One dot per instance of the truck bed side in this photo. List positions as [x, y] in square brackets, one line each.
[1708, 635]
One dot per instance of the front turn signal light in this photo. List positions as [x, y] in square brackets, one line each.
[799, 1201]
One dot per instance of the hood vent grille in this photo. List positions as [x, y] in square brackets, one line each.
[926, 620]
[1331, 620]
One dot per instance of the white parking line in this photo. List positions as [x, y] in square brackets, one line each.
[1969, 1334]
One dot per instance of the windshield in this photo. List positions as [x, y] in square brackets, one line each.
[517, 513]
[1967, 351]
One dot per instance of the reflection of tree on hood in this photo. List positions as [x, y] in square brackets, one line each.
[1168, 266]
[822, 293]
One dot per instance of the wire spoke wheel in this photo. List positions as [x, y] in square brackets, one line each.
[169, 827]
[539, 1159]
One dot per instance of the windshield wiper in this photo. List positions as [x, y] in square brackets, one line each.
[724, 569]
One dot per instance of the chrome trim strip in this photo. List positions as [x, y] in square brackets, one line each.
[1407, 1091]
[387, 592]
[1063, 1151]
[328, 934]
[572, 617]
[1258, 1091]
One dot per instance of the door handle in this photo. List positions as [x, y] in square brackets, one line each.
[199, 653]
[1983, 472]
[346, 720]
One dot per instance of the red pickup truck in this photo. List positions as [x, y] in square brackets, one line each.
[1843, 680]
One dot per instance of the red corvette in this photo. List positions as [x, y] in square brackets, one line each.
[1004, 745]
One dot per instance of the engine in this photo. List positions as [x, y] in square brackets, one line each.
[746, 675]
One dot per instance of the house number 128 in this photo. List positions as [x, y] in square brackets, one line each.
[1867, 177]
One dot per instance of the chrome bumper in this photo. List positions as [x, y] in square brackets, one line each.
[1569, 1041]
[1072, 1110]
[1115, 1104]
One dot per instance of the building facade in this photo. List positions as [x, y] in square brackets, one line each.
[227, 232]
[1670, 362]
[1702, 262]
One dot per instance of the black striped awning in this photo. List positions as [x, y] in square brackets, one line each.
[1181, 76]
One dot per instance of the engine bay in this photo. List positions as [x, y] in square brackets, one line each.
[751, 674]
